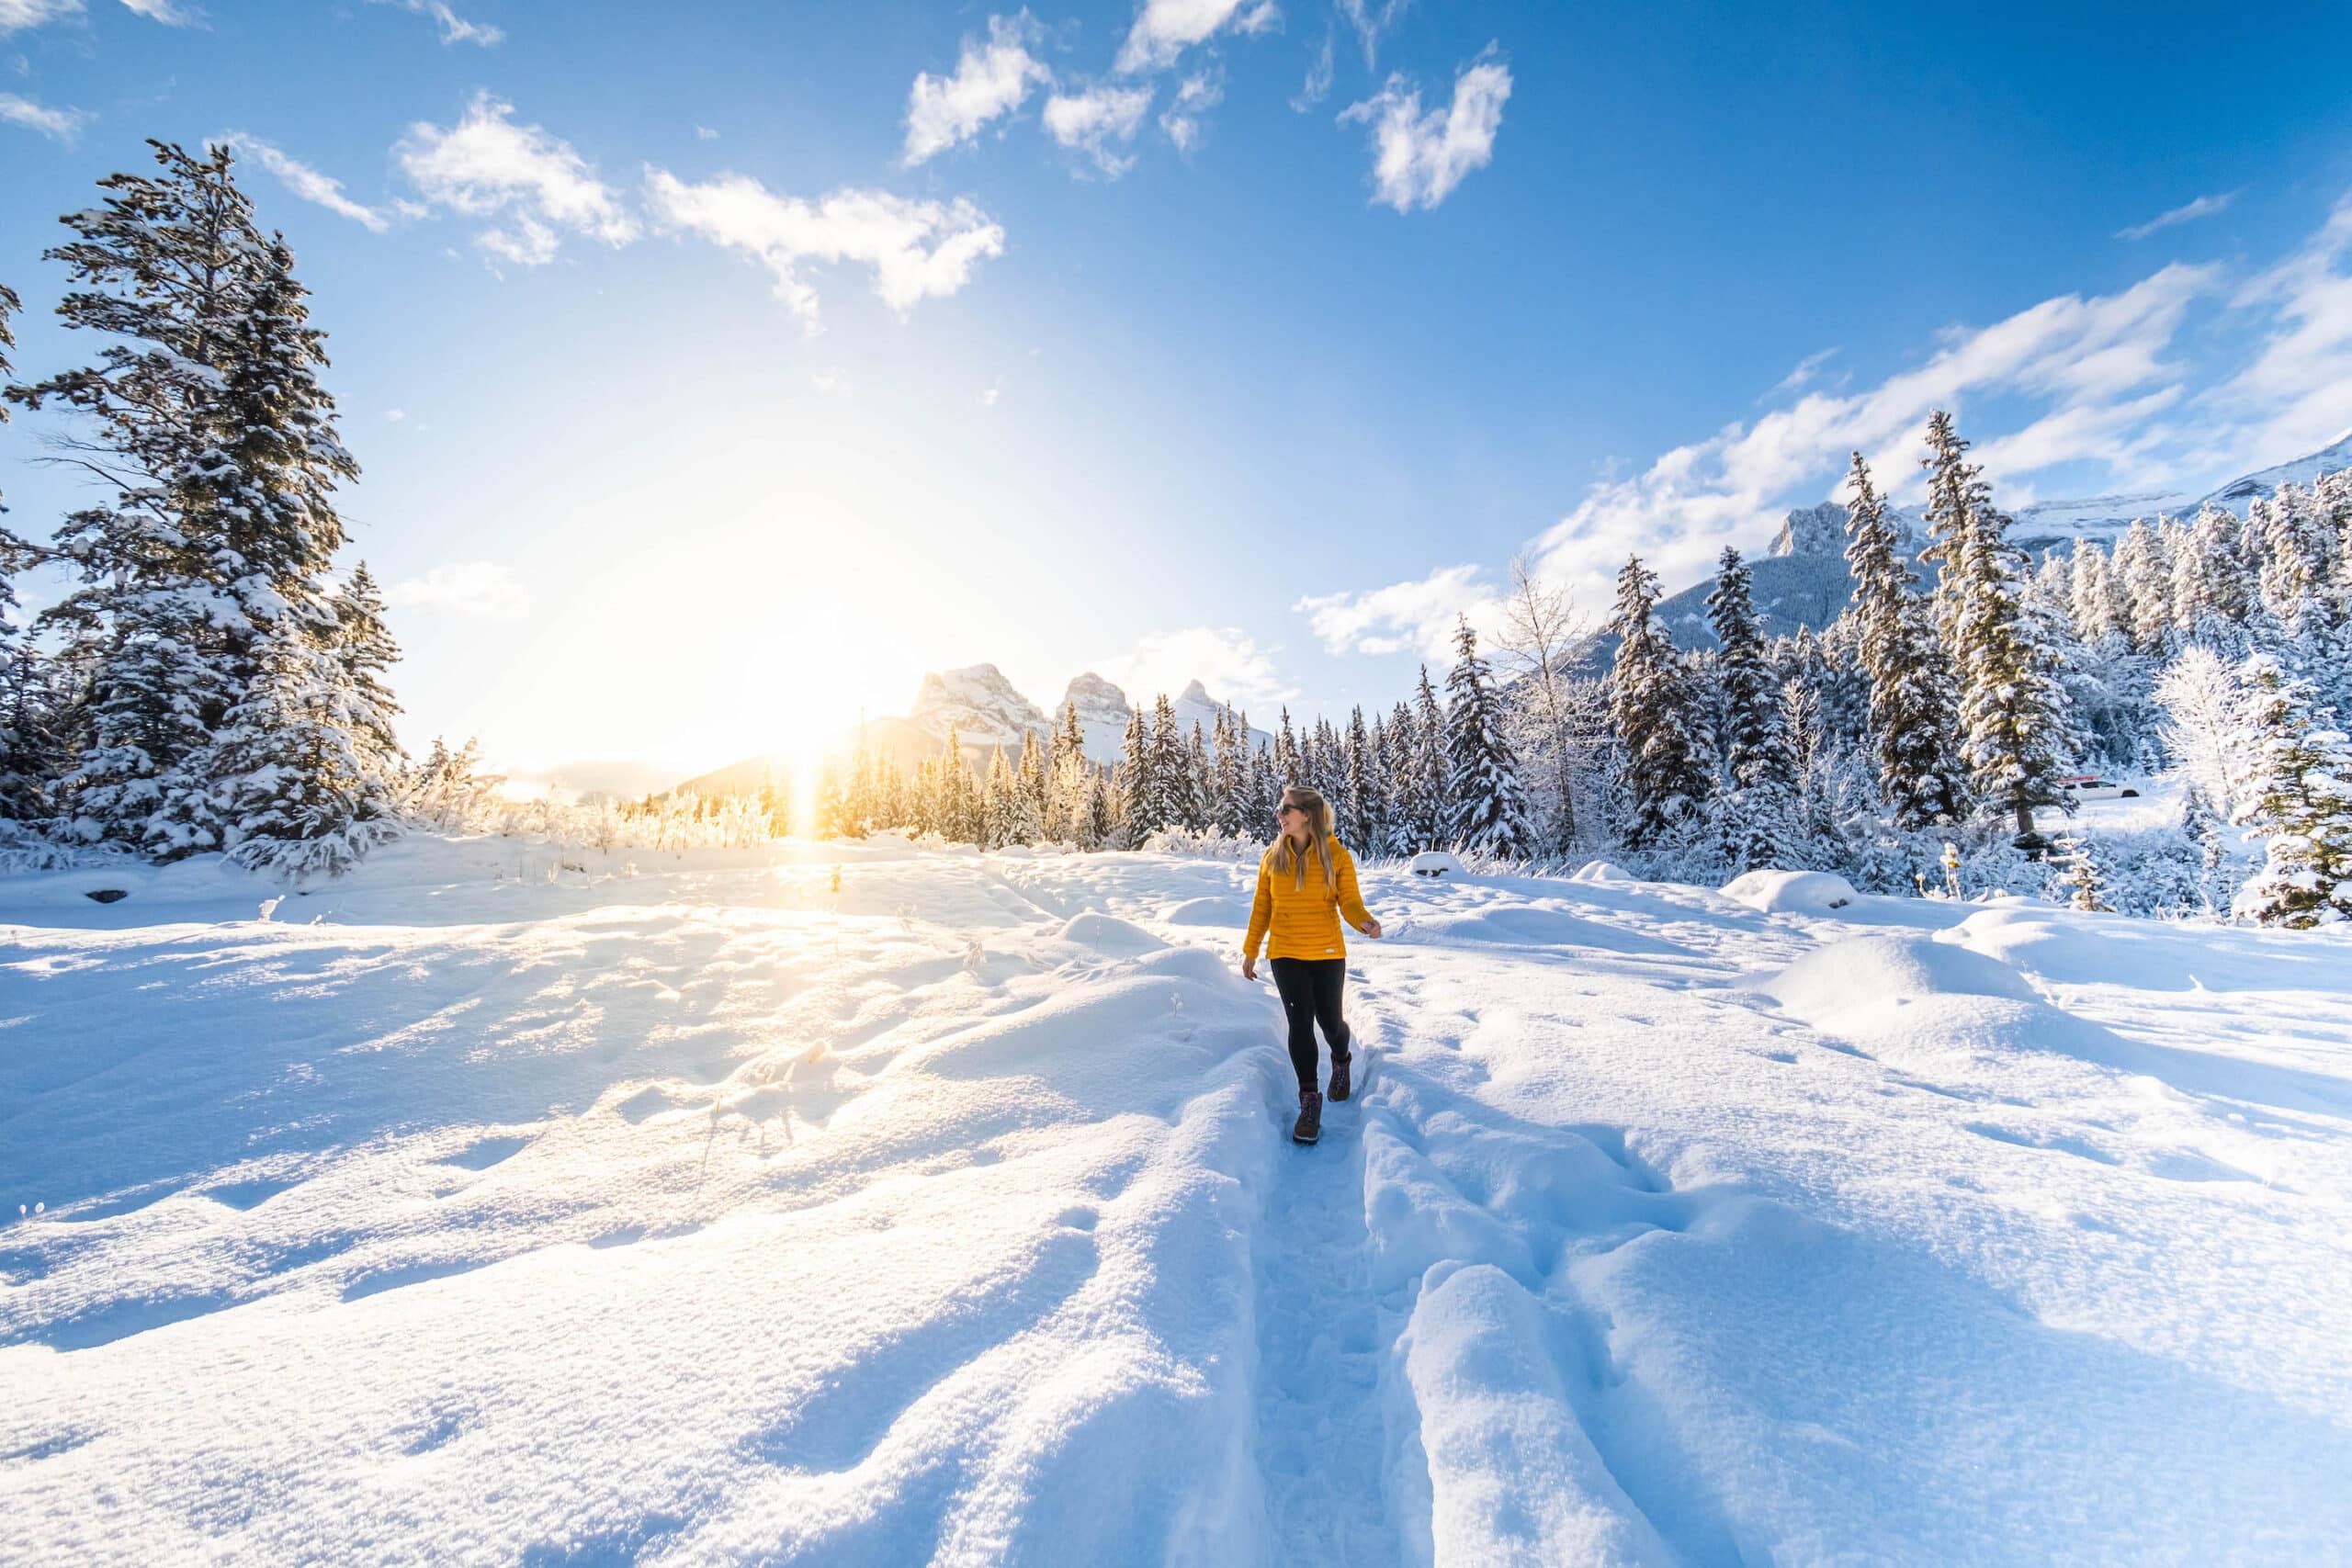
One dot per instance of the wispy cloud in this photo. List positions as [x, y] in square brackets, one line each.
[705, 133]
[1195, 95]
[534, 183]
[452, 27]
[1097, 121]
[1317, 85]
[917, 250]
[59, 125]
[2296, 395]
[1164, 29]
[1418, 158]
[1371, 20]
[2187, 212]
[16, 16]
[483, 589]
[1807, 369]
[1404, 617]
[171, 13]
[990, 80]
[305, 181]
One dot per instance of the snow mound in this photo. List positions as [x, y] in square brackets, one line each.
[1791, 892]
[1890, 967]
[1108, 934]
[1436, 863]
[1207, 912]
[1531, 925]
[1602, 870]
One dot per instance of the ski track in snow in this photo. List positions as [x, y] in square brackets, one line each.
[948, 1215]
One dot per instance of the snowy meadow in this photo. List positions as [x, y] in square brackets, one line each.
[862, 1202]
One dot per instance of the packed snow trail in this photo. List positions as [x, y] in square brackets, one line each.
[711, 1213]
[1318, 1419]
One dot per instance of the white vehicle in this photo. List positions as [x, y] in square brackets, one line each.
[2090, 786]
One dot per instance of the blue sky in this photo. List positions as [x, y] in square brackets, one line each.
[718, 369]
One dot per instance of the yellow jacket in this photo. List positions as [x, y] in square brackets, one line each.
[1304, 921]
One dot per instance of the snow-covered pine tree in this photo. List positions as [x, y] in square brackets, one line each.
[1134, 787]
[998, 794]
[1286, 758]
[165, 274]
[2078, 879]
[2012, 712]
[1914, 721]
[1489, 805]
[1368, 782]
[1398, 797]
[2301, 803]
[1031, 778]
[365, 649]
[1951, 514]
[1200, 781]
[1355, 778]
[1431, 769]
[2142, 572]
[1169, 770]
[2213, 587]
[1757, 814]
[28, 744]
[1098, 821]
[1229, 771]
[2204, 827]
[292, 778]
[1650, 704]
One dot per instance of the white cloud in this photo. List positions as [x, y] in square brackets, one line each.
[918, 250]
[990, 80]
[1317, 85]
[305, 181]
[705, 133]
[1807, 369]
[1091, 121]
[1165, 28]
[832, 383]
[991, 392]
[1404, 617]
[59, 125]
[2099, 361]
[1195, 95]
[1226, 659]
[16, 14]
[395, 416]
[169, 12]
[486, 165]
[2188, 212]
[1370, 20]
[1418, 158]
[482, 589]
[2297, 394]
[452, 27]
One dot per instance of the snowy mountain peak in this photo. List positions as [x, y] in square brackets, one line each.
[1096, 700]
[1195, 695]
[978, 703]
[2309, 469]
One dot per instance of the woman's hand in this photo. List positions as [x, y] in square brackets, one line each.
[1249, 966]
[1372, 927]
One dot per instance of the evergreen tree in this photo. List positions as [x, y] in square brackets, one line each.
[365, 649]
[1137, 791]
[1200, 782]
[1757, 812]
[1098, 822]
[2212, 590]
[1394, 742]
[1432, 771]
[1286, 758]
[28, 749]
[1229, 771]
[1029, 822]
[1265, 789]
[1650, 704]
[1167, 791]
[1914, 724]
[2144, 581]
[2301, 803]
[1490, 807]
[2011, 711]
[2079, 880]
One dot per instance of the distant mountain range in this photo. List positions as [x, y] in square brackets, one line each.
[986, 713]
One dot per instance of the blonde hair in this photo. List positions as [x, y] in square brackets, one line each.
[1319, 827]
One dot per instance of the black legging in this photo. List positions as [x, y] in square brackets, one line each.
[1310, 991]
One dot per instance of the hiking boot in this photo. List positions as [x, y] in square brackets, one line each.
[1310, 1118]
[1340, 1084]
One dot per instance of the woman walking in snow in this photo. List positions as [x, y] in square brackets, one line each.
[1306, 881]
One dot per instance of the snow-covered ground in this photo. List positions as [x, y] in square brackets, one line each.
[477, 1210]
